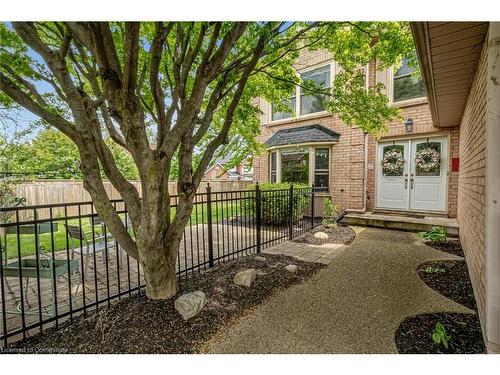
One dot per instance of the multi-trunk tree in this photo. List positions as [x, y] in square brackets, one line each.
[163, 90]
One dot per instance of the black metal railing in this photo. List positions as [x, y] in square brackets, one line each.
[59, 261]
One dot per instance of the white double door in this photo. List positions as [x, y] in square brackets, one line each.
[411, 187]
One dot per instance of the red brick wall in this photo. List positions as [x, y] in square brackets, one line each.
[347, 158]
[216, 173]
[471, 182]
[347, 170]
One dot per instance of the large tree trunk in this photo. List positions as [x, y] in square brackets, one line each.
[158, 243]
[159, 235]
[158, 265]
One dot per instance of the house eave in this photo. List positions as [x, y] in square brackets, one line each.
[448, 53]
[422, 45]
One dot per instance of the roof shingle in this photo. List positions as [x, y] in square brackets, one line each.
[303, 134]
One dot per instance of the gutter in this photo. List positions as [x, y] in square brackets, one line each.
[420, 34]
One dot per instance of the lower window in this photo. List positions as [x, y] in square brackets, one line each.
[295, 166]
[301, 165]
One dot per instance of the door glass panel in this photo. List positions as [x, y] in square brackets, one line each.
[393, 161]
[428, 159]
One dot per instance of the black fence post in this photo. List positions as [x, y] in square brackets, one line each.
[290, 212]
[209, 224]
[258, 215]
[312, 206]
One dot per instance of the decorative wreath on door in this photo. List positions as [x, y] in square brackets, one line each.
[393, 162]
[428, 159]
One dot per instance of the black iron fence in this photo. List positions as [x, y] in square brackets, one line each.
[59, 261]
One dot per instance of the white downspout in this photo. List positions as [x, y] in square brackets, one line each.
[365, 178]
[493, 190]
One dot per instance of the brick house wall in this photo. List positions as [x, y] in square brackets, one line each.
[471, 182]
[216, 173]
[347, 156]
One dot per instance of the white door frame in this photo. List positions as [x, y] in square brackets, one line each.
[445, 171]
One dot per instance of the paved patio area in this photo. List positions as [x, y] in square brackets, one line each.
[101, 282]
[352, 306]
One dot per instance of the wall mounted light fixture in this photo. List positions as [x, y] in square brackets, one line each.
[409, 125]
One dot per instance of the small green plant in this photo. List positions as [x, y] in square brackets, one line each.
[433, 270]
[439, 336]
[436, 235]
[330, 213]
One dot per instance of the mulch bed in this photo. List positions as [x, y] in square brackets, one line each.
[450, 246]
[451, 279]
[341, 234]
[414, 334]
[137, 325]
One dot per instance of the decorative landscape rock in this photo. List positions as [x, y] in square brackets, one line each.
[262, 259]
[292, 268]
[245, 277]
[190, 304]
[321, 235]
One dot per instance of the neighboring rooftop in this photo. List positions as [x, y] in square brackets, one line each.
[303, 134]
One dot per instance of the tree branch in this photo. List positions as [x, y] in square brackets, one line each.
[20, 97]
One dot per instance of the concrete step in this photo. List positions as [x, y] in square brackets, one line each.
[402, 222]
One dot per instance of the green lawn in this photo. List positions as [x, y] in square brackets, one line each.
[27, 241]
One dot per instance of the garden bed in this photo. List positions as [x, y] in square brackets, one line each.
[341, 234]
[414, 334]
[137, 325]
[450, 246]
[451, 279]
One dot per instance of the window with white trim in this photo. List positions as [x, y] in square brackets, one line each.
[280, 115]
[312, 103]
[274, 163]
[301, 165]
[295, 165]
[303, 102]
[322, 169]
[405, 85]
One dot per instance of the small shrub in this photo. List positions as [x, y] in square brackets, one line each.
[7, 199]
[439, 336]
[433, 270]
[330, 213]
[436, 235]
[275, 203]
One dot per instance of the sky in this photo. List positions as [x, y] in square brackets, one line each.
[24, 117]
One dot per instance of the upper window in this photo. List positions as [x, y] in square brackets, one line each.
[406, 86]
[305, 102]
[285, 114]
[314, 103]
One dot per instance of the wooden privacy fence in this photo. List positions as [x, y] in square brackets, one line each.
[43, 192]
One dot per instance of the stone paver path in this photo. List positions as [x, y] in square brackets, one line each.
[354, 305]
[324, 254]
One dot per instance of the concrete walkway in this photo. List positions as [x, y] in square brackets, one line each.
[352, 306]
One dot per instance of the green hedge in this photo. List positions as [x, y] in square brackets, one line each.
[275, 202]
